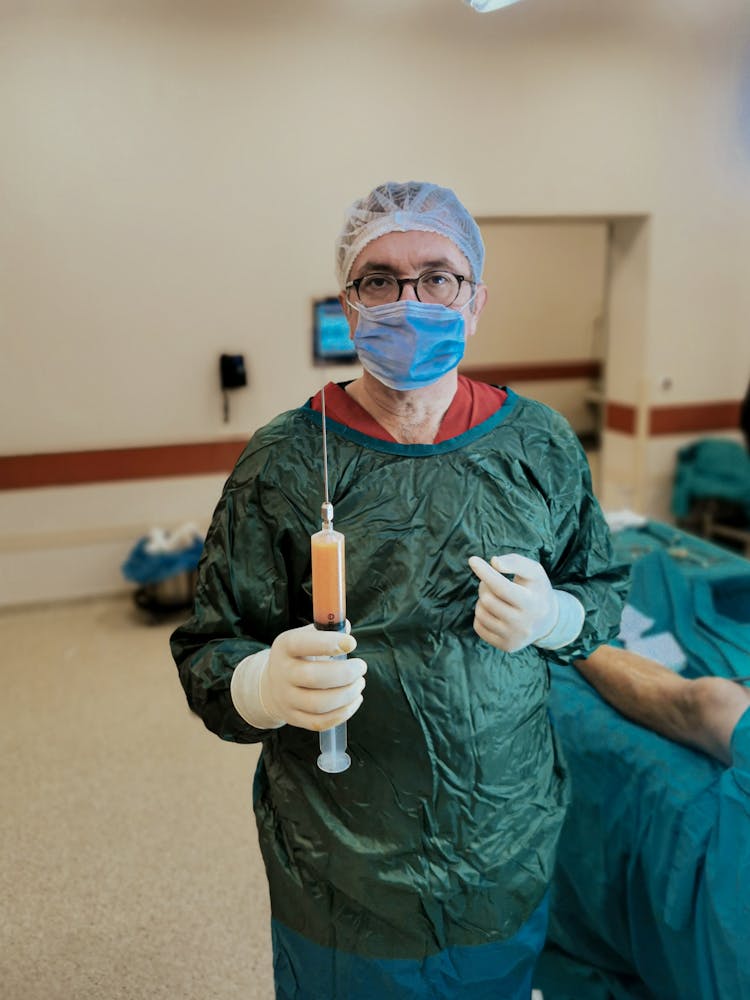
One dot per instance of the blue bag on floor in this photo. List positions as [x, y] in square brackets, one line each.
[148, 563]
[164, 565]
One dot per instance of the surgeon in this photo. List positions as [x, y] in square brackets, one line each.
[476, 554]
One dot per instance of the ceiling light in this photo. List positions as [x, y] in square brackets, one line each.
[483, 6]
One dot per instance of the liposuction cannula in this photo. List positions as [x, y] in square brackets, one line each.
[329, 604]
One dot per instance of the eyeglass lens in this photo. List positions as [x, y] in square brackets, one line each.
[433, 286]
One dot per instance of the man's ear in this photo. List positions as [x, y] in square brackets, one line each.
[350, 312]
[475, 310]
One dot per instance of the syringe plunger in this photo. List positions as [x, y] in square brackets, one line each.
[326, 513]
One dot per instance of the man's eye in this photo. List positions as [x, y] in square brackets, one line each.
[434, 279]
[375, 282]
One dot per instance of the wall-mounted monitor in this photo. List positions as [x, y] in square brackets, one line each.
[331, 341]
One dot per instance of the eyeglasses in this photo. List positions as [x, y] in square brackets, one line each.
[442, 287]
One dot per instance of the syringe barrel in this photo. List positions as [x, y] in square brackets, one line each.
[329, 615]
[328, 580]
[333, 757]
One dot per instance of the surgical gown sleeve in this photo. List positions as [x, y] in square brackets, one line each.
[243, 596]
[580, 558]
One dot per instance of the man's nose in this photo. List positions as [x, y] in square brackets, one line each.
[409, 290]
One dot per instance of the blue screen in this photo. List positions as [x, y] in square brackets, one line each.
[331, 340]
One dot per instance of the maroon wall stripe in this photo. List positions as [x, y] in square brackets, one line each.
[682, 418]
[112, 464]
[533, 371]
[619, 417]
[695, 417]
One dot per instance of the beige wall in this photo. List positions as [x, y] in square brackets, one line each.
[173, 176]
[546, 302]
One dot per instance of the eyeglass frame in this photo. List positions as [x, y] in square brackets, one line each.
[460, 278]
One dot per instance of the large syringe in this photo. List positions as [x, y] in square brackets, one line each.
[329, 604]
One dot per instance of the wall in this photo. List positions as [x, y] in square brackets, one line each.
[174, 174]
[542, 328]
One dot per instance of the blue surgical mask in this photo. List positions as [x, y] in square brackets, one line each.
[409, 344]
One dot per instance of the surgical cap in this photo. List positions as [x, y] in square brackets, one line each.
[400, 208]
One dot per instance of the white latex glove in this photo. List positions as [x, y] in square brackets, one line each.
[297, 682]
[511, 615]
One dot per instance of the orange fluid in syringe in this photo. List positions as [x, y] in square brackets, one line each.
[328, 580]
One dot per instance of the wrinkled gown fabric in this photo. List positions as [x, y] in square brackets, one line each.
[442, 833]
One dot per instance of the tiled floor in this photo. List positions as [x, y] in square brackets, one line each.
[129, 865]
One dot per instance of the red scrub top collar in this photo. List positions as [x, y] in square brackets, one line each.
[473, 403]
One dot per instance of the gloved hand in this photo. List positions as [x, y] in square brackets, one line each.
[296, 682]
[511, 615]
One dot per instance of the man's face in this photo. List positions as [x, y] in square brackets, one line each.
[408, 255]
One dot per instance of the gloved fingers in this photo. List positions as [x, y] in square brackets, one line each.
[497, 615]
[319, 710]
[487, 625]
[525, 571]
[494, 582]
[317, 723]
[309, 641]
[535, 596]
[512, 614]
[517, 601]
[325, 673]
[497, 636]
[513, 630]
[322, 701]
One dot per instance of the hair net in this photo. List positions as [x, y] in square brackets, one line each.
[400, 208]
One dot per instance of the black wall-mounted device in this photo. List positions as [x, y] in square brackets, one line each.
[233, 375]
[232, 369]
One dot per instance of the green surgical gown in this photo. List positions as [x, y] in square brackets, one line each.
[443, 831]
